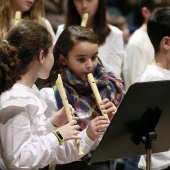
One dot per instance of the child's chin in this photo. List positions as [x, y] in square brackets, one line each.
[84, 79]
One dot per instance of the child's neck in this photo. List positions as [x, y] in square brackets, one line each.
[27, 80]
[144, 27]
[161, 61]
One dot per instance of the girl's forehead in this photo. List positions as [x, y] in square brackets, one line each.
[84, 43]
[85, 46]
[84, 49]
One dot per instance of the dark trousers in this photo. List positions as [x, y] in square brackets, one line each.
[82, 165]
[131, 163]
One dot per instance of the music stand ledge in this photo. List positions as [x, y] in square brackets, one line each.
[140, 126]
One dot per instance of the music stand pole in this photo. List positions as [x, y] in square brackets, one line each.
[148, 159]
[147, 140]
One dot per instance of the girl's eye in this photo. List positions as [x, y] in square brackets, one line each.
[81, 60]
[94, 57]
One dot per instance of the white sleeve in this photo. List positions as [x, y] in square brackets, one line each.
[111, 52]
[26, 145]
[133, 65]
[69, 151]
[23, 142]
[59, 31]
[136, 68]
[49, 97]
[117, 51]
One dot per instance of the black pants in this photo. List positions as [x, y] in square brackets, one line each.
[82, 165]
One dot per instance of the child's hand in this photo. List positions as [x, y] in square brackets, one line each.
[60, 117]
[109, 108]
[70, 130]
[96, 126]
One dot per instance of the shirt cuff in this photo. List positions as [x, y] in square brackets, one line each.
[53, 140]
[50, 127]
[86, 138]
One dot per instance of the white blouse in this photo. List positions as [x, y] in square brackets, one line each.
[26, 141]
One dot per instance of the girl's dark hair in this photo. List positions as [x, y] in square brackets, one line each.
[65, 43]
[101, 27]
[152, 4]
[22, 45]
[158, 27]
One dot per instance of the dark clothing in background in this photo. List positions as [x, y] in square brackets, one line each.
[55, 12]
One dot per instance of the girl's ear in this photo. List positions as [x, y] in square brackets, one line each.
[41, 57]
[62, 59]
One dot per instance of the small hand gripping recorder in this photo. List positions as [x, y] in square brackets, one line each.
[96, 93]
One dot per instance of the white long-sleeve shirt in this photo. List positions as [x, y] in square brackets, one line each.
[111, 52]
[138, 55]
[158, 160]
[26, 141]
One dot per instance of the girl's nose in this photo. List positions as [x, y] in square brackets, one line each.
[84, 4]
[89, 64]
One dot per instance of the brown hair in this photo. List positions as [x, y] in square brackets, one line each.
[22, 45]
[100, 20]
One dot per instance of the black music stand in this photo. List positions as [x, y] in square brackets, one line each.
[142, 119]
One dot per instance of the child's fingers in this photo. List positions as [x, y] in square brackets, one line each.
[102, 122]
[104, 101]
[107, 105]
[71, 109]
[111, 110]
[75, 118]
[73, 122]
[74, 125]
[101, 118]
[102, 127]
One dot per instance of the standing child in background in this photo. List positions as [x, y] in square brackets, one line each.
[32, 9]
[28, 140]
[76, 55]
[139, 50]
[159, 34]
[139, 54]
[111, 43]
